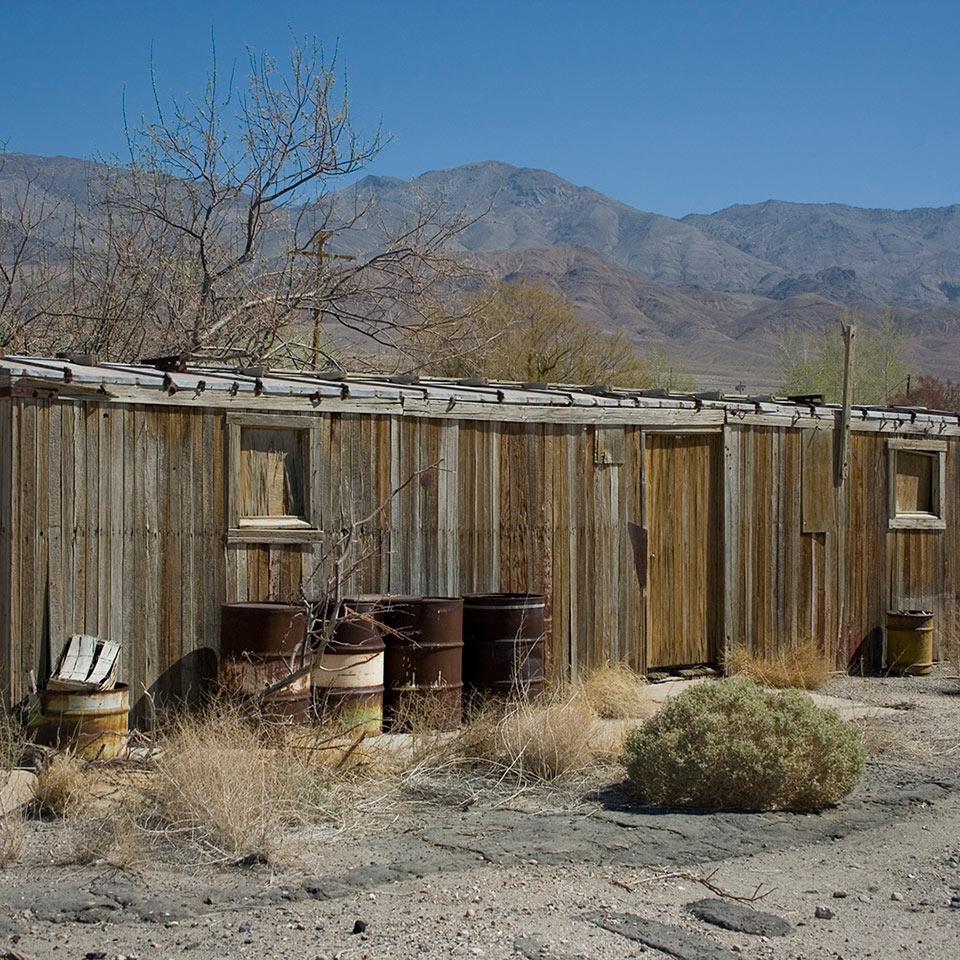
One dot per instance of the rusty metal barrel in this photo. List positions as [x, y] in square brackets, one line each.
[91, 723]
[423, 661]
[347, 676]
[909, 642]
[261, 644]
[504, 645]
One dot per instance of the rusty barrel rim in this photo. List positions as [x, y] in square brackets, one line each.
[909, 642]
[504, 636]
[268, 627]
[261, 643]
[92, 723]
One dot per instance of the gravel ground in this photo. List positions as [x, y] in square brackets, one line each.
[558, 877]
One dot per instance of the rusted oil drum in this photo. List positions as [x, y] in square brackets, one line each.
[423, 661]
[260, 644]
[909, 642]
[347, 673]
[503, 644]
[93, 724]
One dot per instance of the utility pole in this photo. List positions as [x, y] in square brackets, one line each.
[321, 237]
[849, 333]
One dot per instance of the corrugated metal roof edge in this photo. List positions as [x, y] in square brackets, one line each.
[198, 379]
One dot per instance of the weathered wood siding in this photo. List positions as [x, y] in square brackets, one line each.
[114, 521]
[836, 582]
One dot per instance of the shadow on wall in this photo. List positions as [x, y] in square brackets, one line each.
[859, 653]
[183, 686]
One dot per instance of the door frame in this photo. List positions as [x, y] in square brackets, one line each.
[718, 641]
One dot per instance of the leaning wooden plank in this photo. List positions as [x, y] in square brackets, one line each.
[104, 671]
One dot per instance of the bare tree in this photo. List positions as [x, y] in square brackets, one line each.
[222, 231]
[27, 275]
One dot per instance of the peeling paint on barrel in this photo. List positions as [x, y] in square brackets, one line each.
[91, 723]
[347, 674]
[260, 645]
[423, 661]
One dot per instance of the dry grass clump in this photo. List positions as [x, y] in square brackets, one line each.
[804, 666]
[221, 788]
[114, 836]
[549, 739]
[615, 692]
[13, 741]
[732, 745]
[13, 837]
[950, 639]
[63, 788]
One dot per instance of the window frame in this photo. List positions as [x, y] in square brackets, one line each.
[261, 530]
[918, 521]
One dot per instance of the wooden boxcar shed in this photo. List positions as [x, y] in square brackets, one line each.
[134, 501]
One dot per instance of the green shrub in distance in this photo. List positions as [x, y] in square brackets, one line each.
[731, 745]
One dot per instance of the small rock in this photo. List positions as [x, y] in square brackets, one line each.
[896, 896]
[839, 894]
[823, 913]
[360, 926]
[244, 927]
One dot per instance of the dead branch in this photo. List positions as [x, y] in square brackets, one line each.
[705, 880]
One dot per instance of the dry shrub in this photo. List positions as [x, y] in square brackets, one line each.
[223, 790]
[13, 837]
[115, 836]
[63, 788]
[615, 692]
[950, 639]
[732, 745]
[547, 739]
[13, 742]
[804, 666]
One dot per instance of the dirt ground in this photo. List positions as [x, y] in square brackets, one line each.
[558, 875]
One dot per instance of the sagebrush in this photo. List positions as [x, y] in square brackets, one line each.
[731, 745]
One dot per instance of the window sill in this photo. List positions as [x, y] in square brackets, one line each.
[258, 534]
[917, 521]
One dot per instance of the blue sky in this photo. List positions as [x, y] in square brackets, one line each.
[671, 106]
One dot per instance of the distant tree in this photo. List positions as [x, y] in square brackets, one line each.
[932, 392]
[812, 365]
[523, 331]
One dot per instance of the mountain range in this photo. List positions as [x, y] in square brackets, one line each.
[717, 290]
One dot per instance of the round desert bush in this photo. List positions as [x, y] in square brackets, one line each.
[731, 745]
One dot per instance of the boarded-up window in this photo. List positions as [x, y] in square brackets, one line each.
[272, 488]
[609, 444]
[916, 483]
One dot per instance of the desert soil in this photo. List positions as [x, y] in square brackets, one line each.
[558, 875]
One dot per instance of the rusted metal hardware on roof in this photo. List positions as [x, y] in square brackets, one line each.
[21, 391]
[171, 363]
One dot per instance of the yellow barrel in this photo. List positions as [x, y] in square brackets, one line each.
[909, 642]
[93, 724]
